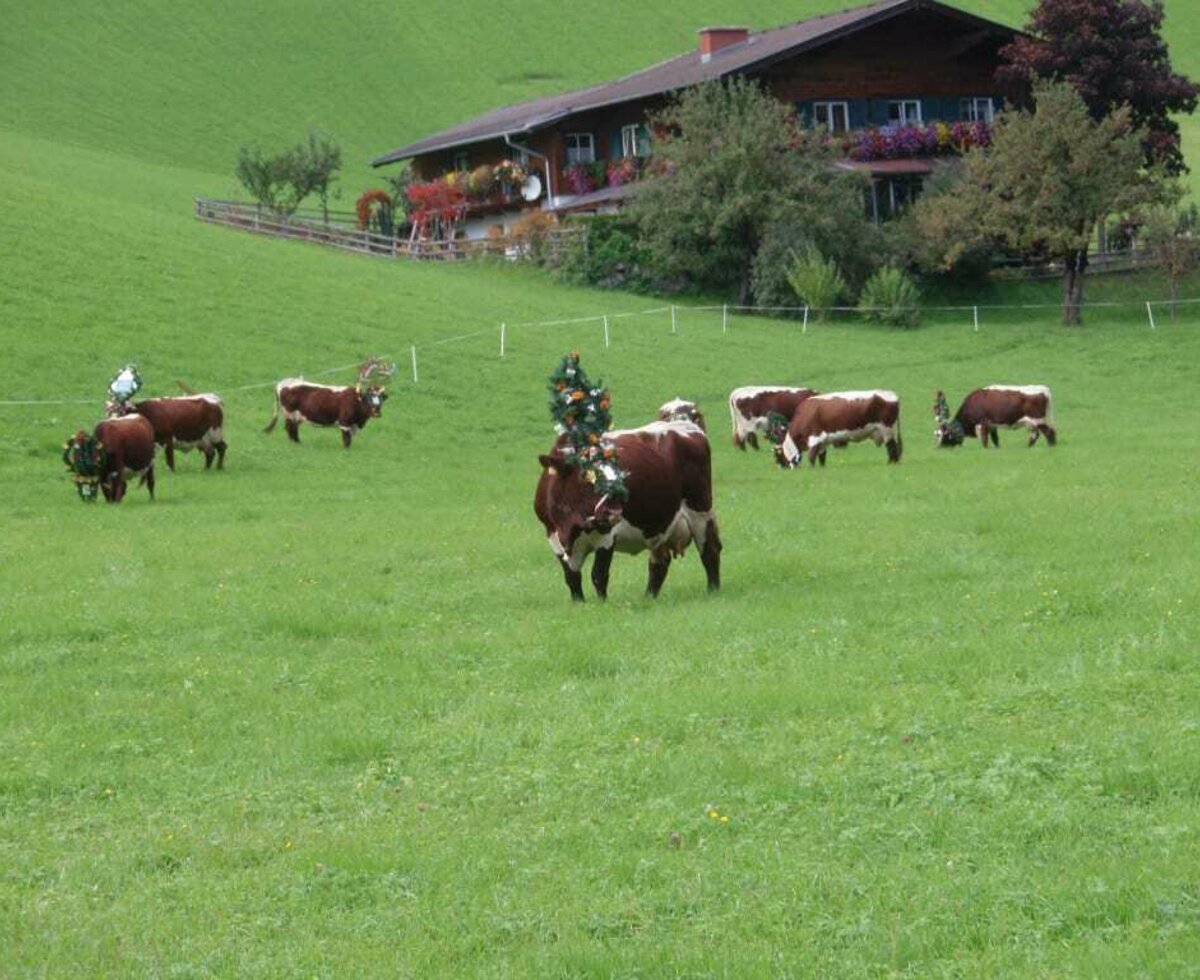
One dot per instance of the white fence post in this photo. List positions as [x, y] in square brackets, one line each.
[804, 329]
[1150, 313]
[605, 331]
[672, 318]
[502, 340]
[725, 319]
[414, 363]
[976, 319]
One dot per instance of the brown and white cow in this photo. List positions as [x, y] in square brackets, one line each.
[185, 423]
[752, 406]
[348, 408]
[682, 410]
[985, 410]
[128, 445]
[668, 472]
[838, 418]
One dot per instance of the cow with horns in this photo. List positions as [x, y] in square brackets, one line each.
[633, 490]
[184, 423]
[117, 450]
[836, 419]
[681, 410]
[985, 410]
[349, 408]
[751, 408]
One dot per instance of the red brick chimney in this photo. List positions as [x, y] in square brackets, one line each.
[713, 39]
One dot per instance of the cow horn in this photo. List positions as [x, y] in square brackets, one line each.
[185, 388]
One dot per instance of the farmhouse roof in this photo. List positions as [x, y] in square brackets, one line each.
[756, 52]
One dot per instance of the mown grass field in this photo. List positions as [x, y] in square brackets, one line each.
[332, 714]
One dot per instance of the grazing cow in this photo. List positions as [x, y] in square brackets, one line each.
[838, 418]
[984, 410]
[127, 445]
[668, 473]
[680, 410]
[346, 407]
[183, 423]
[751, 407]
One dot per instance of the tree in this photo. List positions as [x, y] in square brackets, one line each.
[732, 160]
[1170, 236]
[1049, 176]
[281, 182]
[1113, 54]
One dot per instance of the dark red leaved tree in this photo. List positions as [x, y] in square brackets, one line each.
[1113, 53]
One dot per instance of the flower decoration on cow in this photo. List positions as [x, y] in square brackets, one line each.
[84, 457]
[125, 384]
[948, 432]
[581, 414]
[777, 428]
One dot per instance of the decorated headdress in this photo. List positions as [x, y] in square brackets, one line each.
[941, 414]
[777, 427]
[375, 372]
[580, 411]
[125, 384]
[85, 458]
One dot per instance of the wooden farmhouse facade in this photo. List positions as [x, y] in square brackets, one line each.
[880, 77]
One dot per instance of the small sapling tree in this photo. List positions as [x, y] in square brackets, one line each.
[280, 182]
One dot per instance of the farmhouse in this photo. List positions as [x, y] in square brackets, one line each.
[896, 82]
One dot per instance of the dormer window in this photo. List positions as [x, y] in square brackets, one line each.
[833, 116]
[581, 148]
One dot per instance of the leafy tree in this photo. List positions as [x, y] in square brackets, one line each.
[282, 181]
[1171, 237]
[1050, 175]
[1113, 53]
[732, 161]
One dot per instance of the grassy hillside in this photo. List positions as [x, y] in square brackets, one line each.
[331, 714]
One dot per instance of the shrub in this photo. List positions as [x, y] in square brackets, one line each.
[609, 255]
[890, 296]
[531, 232]
[816, 281]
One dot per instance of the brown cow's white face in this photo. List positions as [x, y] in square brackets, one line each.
[787, 454]
[374, 398]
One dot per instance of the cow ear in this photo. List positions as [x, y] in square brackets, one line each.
[548, 462]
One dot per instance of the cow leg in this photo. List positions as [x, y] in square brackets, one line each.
[601, 564]
[893, 450]
[347, 435]
[148, 479]
[118, 490]
[293, 429]
[752, 440]
[221, 454]
[169, 450]
[824, 451]
[710, 555]
[574, 580]
[995, 434]
[1050, 434]
[659, 566]
[981, 433]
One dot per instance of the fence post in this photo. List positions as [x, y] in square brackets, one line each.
[1150, 313]
[976, 319]
[672, 318]
[414, 362]
[606, 330]
[724, 319]
[804, 329]
[502, 340]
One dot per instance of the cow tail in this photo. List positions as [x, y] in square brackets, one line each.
[275, 415]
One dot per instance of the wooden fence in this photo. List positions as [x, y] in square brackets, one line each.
[340, 231]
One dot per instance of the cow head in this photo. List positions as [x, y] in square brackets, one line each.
[373, 399]
[85, 459]
[679, 410]
[574, 508]
[948, 432]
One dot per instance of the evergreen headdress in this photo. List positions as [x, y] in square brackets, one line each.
[85, 458]
[580, 411]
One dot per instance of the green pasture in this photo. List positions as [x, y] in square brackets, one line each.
[331, 713]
